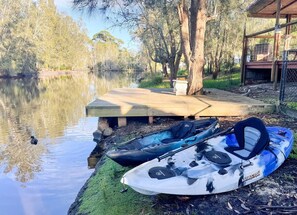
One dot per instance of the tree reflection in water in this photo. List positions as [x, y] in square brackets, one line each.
[43, 108]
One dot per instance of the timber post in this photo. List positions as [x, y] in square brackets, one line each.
[277, 35]
[243, 56]
[122, 121]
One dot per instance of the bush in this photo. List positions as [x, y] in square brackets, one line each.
[182, 72]
[157, 80]
[153, 82]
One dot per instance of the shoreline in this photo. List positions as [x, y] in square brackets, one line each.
[280, 188]
[43, 74]
[118, 135]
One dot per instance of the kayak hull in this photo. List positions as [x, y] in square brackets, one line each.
[189, 173]
[148, 147]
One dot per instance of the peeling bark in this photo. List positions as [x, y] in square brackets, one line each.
[193, 41]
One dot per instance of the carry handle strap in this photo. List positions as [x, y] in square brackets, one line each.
[171, 153]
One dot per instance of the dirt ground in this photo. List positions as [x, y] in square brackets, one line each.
[276, 194]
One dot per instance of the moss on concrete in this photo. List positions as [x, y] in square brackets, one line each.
[103, 195]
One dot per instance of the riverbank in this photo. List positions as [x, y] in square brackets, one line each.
[102, 192]
[44, 74]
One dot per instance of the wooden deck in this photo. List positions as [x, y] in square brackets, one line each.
[136, 102]
[261, 71]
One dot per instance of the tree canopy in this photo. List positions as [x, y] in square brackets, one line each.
[199, 34]
[34, 36]
[167, 28]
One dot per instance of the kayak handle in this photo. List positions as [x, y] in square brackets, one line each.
[200, 142]
[191, 140]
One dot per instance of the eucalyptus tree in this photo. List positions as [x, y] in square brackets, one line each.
[60, 39]
[109, 54]
[16, 42]
[33, 35]
[193, 16]
[155, 22]
[106, 52]
[224, 34]
[158, 29]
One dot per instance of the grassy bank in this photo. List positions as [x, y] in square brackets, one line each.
[103, 194]
[223, 82]
[154, 82]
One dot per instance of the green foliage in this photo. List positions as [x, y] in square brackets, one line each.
[292, 105]
[103, 195]
[154, 82]
[27, 44]
[109, 55]
[183, 72]
[157, 80]
[106, 37]
[294, 150]
[224, 35]
[33, 35]
[223, 82]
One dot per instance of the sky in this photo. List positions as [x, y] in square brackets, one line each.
[95, 23]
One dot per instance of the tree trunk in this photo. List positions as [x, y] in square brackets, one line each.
[183, 16]
[196, 69]
[151, 67]
[164, 68]
[193, 47]
[215, 74]
[173, 71]
[177, 59]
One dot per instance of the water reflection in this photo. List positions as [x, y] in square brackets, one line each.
[52, 110]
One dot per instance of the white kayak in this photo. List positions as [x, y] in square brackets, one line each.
[220, 164]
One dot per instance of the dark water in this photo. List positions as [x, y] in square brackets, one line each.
[45, 178]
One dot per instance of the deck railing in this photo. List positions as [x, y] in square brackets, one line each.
[261, 49]
[267, 46]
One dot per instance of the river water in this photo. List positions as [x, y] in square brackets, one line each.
[45, 178]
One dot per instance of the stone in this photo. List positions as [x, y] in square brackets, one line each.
[97, 136]
[107, 132]
[102, 124]
[103, 127]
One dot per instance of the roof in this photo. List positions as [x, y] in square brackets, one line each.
[267, 8]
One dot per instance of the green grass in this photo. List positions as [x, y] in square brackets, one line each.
[148, 84]
[154, 82]
[292, 105]
[103, 194]
[223, 82]
[294, 151]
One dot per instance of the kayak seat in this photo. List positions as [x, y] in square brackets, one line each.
[252, 138]
[181, 131]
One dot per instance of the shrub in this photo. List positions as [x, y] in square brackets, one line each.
[182, 72]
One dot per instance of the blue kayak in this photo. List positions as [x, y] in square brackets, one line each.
[227, 161]
[150, 146]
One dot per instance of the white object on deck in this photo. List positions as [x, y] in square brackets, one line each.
[180, 87]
